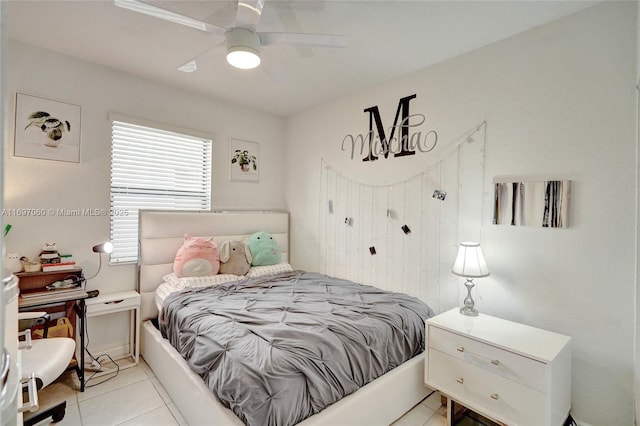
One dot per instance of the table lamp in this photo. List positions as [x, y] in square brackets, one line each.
[470, 264]
[105, 247]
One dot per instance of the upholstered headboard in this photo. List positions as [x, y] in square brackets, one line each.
[161, 234]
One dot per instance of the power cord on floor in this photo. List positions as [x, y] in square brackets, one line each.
[96, 362]
[106, 377]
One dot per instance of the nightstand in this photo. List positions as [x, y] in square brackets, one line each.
[120, 302]
[509, 372]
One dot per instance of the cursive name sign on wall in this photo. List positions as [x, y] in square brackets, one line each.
[405, 136]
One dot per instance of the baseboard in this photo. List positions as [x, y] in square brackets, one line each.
[116, 353]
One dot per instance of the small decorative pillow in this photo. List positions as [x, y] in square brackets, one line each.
[198, 257]
[264, 249]
[235, 258]
[259, 271]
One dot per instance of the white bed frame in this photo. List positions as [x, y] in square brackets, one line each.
[161, 234]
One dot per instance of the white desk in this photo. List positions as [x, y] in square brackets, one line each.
[120, 302]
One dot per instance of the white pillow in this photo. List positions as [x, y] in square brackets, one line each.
[162, 292]
[187, 282]
[259, 271]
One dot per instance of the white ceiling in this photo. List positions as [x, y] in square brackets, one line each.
[386, 39]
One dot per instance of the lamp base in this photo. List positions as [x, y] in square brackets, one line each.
[469, 304]
[470, 312]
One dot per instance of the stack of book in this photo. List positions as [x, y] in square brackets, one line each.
[62, 266]
[66, 262]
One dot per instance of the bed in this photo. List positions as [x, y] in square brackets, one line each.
[379, 402]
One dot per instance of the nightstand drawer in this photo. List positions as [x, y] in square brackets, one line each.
[498, 397]
[493, 359]
[113, 302]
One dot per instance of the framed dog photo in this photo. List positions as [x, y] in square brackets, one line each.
[46, 129]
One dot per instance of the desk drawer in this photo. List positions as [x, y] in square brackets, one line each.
[496, 360]
[500, 398]
[115, 302]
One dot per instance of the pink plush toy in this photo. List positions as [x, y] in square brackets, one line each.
[198, 257]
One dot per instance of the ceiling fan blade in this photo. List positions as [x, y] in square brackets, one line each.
[192, 64]
[301, 39]
[189, 67]
[249, 13]
[274, 70]
[167, 15]
[289, 18]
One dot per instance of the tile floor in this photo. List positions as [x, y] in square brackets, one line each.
[135, 397]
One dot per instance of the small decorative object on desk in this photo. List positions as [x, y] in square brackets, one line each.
[49, 254]
[12, 262]
[66, 258]
[30, 265]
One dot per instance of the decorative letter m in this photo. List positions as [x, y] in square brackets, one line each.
[385, 144]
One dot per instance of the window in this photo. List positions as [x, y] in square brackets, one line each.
[153, 169]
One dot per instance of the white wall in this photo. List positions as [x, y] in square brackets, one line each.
[559, 102]
[34, 183]
[637, 233]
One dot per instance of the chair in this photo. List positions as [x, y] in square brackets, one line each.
[44, 360]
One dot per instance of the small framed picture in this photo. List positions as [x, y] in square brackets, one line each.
[244, 161]
[46, 129]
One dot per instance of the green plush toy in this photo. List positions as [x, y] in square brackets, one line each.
[264, 249]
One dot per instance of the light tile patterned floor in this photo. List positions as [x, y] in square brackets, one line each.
[428, 413]
[135, 397]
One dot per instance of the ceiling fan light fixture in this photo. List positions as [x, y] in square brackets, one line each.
[243, 59]
[243, 48]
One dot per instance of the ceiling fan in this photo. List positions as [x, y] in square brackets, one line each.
[242, 41]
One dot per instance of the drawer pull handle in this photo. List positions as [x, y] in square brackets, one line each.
[494, 396]
[460, 349]
[460, 380]
[495, 362]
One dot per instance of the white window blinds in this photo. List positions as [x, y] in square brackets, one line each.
[153, 169]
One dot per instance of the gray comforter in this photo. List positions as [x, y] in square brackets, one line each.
[280, 348]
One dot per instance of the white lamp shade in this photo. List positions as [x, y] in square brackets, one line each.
[105, 247]
[470, 261]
